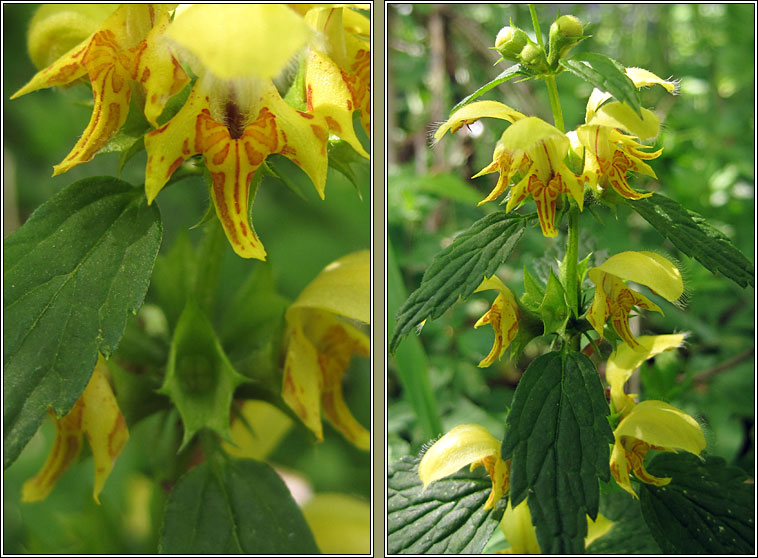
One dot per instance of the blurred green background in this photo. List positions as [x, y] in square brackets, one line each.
[438, 54]
[302, 234]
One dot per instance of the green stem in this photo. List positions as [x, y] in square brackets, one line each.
[555, 102]
[536, 25]
[568, 267]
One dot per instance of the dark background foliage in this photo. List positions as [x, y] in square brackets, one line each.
[438, 54]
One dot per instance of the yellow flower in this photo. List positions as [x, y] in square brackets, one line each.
[522, 536]
[472, 112]
[503, 315]
[531, 154]
[235, 125]
[338, 71]
[320, 344]
[625, 360]
[467, 444]
[234, 115]
[95, 414]
[614, 300]
[126, 48]
[649, 424]
[611, 151]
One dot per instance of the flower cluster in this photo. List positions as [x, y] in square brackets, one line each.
[234, 115]
[534, 158]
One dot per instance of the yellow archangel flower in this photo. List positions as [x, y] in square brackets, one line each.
[649, 424]
[503, 316]
[338, 71]
[610, 150]
[467, 444]
[614, 300]
[530, 154]
[126, 48]
[320, 344]
[234, 115]
[95, 414]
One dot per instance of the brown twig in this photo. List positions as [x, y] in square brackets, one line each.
[705, 375]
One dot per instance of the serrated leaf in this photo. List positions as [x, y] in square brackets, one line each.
[553, 309]
[459, 269]
[200, 380]
[73, 272]
[629, 533]
[446, 518]
[691, 234]
[707, 508]
[504, 76]
[558, 437]
[533, 292]
[606, 74]
[239, 506]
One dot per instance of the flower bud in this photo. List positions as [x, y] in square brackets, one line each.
[57, 28]
[565, 32]
[510, 41]
[533, 58]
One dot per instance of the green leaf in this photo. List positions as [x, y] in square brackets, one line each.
[341, 158]
[174, 277]
[239, 506]
[504, 76]
[73, 272]
[629, 534]
[707, 508]
[690, 232]
[533, 292]
[200, 380]
[289, 173]
[558, 437]
[553, 309]
[459, 269]
[606, 74]
[446, 518]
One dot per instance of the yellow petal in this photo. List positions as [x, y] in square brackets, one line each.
[103, 424]
[234, 40]
[95, 414]
[303, 382]
[159, 72]
[624, 360]
[268, 425]
[473, 112]
[462, 446]
[621, 115]
[620, 467]
[503, 316]
[644, 78]
[649, 269]
[343, 287]
[660, 424]
[341, 524]
[319, 350]
[330, 93]
[518, 529]
[67, 445]
[526, 133]
[174, 142]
